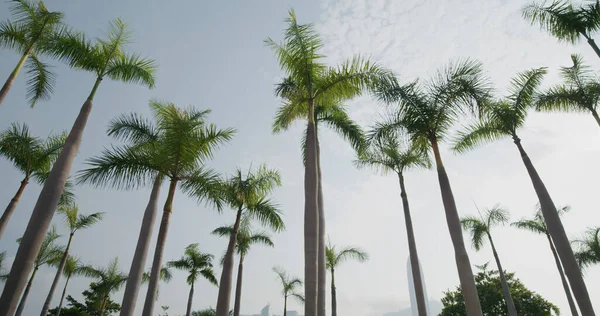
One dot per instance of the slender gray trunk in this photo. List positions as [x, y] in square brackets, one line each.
[238, 288]
[285, 305]
[311, 218]
[62, 297]
[593, 45]
[463, 264]
[510, 304]
[563, 279]
[59, 273]
[412, 250]
[44, 211]
[158, 252]
[136, 271]
[333, 294]
[13, 75]
[322, 268]
[596, 117]
[189, 302]
[559, 236]
[26, 293]
[12, 205]
[227, 273]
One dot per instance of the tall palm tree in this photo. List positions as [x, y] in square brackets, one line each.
[104, 58]
[75, 222]
[49, 253]
[579, 92]
[566, 22]
[73, 267]
[334, 259]
[248, 194]
[388, 156]
[32, 155]
[196, 264]
[502, 119]
[426, 113]
[480, 230]
[589, 248]
[538, 225]
[164, 275]
[185, 141]
[312, 84]
[109, 279]
[29, 31]
[246, 237]
[289, 287]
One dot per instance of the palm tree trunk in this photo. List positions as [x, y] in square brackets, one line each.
[465, 273]
[227, 274]
[563, 279]
[12, 205]
[59, 273]
[44, 211]
[596, 117]
[136, 271]
[311, 218]
[12, 76]
[158, 251]
[412, 250]
[103, 306]
[559, 236]
[284, 305]
[26, 293]
[238, 288]
[321, 269]
[333, 294]
[510, 304]
[189, 303]
[593, 44]
[62, 297]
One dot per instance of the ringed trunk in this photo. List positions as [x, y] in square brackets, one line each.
[59, 273]
[227, 274]
[322, 268]
[62, 297]
[558, 235]
[510, 304]
[44, 211]
[238, 288]
[12, 205]
[563, 279]
[136, 271]
[13, 75]
[463, 264]
[189, 303]
[333, 294]
[311, 218]
[26, 293]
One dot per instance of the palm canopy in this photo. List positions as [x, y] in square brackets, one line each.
[246, 237]
[503, 118]
[537, 224]
[164, 275]
[479, 227]
[76, 221]
[588, 252]
[334, 257]
[289, 284]
[73, 267]
[392, 154]
[195, 263]
[110, 278]
[50, 253]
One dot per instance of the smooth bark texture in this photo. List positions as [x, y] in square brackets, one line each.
[189, 303]
[412, 250]
[59, 273]
[311, 218]
[284, 305]
[62, 297]
[12, 205]
[593, 45]
[158, 252]
[463, 264]
[322, 267]
[238, 288]
[227, 274]
[138, 263]
[559, 236]
[563, 279]
[26, 293]
[510, 304]
[44, 211]
[333, 294]
[596, 117]
[13, 75]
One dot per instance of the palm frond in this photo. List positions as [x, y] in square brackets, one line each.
[132, 128]
[208, 274]
[13, 36]
[559, 18]
[351, 253]
[298, 296]
[289, 112]
[478, 134]
[531, 225]
[40, 84]
[224, 231]
[337, 118]
[496, 216]
[204, 184]
[477, 229]
[268, 214]
[132, 69]
[523, 87]
[261, 238]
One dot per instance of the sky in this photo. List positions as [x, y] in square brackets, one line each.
[211, 55]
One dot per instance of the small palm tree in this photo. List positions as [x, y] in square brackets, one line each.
[109, 279]
[75, 222]
[50, 254]
[31, 155]
[248, 195]
[29, 31]
[502, 119]
[589, 248]
[480, 230]
[196, 264]
[73, 267]
[105, 58]
[388, 156]
[538, 225]
[566, 22]
[289, 287]
[245, 238]
[334, 259]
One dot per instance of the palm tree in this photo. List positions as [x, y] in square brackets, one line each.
[248, 195]
[105, 58]
[538, 225]
[289, 287]
[589, 248]
[579, 92]
[480, 229]
[502, 119]
[49, 254]
[334, 259]
[185, 140]
[164, 275]
[566, 22]
[109, 279]
[75, 222]
[245, 238]
[29, 31]
[426, 113]
[72, 267]
[388, 156]
[195, 263]
[31, 155]
[310, 84]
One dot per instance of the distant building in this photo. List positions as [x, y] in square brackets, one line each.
[411, 290]
[265, 311]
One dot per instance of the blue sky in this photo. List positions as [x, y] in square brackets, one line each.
[211, 55]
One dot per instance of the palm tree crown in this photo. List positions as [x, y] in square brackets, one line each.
[537, 224]
[289, 284]
[388, 155]
[335, 257]
[76, 221]
[589, 248]
[196, 263]
[246, 237]
[480, 227]
[109, 278]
